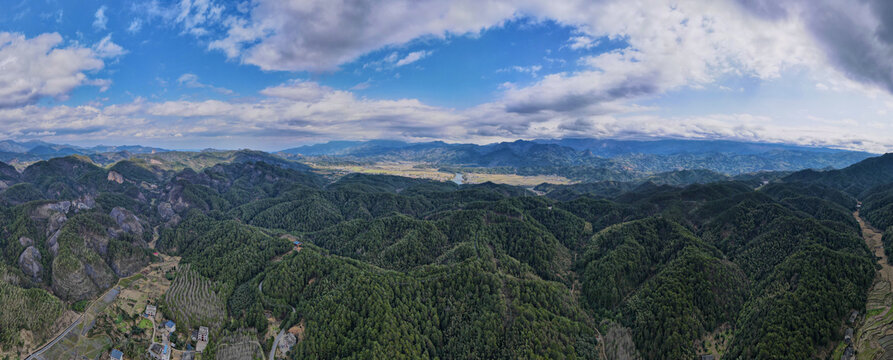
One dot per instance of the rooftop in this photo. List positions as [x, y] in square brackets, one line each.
[116, 354]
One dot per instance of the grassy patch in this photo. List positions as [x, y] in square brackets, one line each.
[873, 312]
[144, 324]
[125, 283]
[80, 306]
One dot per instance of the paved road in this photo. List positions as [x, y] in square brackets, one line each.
[260, 287]
[38, 354]
[275, 344]
[108, 297]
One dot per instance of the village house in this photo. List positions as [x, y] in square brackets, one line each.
[848, 336]
[160, 352]
[151, 310]
[853, 316]
[201, 341]
[170, 326]
[116, 354]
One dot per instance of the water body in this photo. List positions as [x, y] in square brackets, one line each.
[458, 179]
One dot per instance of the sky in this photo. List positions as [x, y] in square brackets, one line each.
[273, 74]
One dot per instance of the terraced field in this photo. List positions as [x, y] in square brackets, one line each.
[193, 301]
[238, 347]
[874, 338]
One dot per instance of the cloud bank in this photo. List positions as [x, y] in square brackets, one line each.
[35, 68]
[672, 45]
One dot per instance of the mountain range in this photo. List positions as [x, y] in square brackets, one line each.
[588, 159]
[577, 159]
[30, 151]
[253, 242]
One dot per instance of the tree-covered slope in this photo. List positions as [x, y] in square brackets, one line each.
[392, 266]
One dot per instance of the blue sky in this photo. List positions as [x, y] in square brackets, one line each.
[271, 74]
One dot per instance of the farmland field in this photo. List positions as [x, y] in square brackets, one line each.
[238, 347]
[426, 171]
[192, 300]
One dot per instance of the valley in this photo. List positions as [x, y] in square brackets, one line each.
[446, 180]
[874, 336]
[425, 171]
[264, 255]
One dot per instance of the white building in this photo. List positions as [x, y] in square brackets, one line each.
[151, 310]
[201, 340]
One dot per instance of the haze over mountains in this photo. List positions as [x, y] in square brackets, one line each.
[591, 159]
[577, 159]
[598, 147]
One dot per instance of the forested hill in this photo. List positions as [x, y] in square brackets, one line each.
[855, 179]
[400, 267]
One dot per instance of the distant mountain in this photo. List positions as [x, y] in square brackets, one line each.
[598, 147]
[30, 151]
[19, 147]
[346, 147]
[613, 148]
[591, 159]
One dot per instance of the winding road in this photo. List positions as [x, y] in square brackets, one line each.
[275, 344]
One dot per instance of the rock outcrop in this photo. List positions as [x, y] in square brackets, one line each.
[97, 243]
[25, 241]
[84, 203]
[75, 280]
[29, 262]
[115, 177]
[127, 221]
[100, 273]
[45, 210]
[70, 280]
[126, 263]
[166, 211]
[55, 222]
[53, 243]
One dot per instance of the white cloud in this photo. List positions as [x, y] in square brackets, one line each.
[302, 110]
[100, 20]
[412, 57]
[34, 68]
[108, 49]
[319, 35]
[135, 26]
[673, 45]
[195, 17]
[581, 42]
[532, 69]
[393, 60]
[362, 86]
[191, 81]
